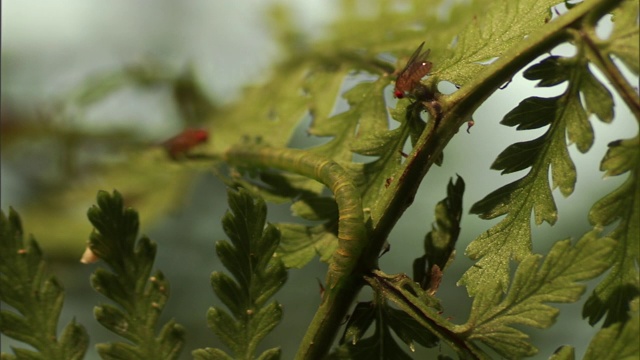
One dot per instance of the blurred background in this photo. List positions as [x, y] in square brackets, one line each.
[50, 48]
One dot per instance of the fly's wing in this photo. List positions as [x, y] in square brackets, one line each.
[402, 81]
[417, 67]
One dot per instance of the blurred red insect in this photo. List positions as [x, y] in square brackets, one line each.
[180, 144]
[409, 78]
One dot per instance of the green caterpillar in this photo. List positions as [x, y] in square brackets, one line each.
[351, 228]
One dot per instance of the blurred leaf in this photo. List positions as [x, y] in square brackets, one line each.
[35, 298]
[418, 318]
[439, 243]
[535, 283]
[623, 42]
[564, 352]
[359, 321]
[194, 104]
[619, 341]
[81, 157]
[381, 344]
[257, 276]
[140, 296]
[612, 296]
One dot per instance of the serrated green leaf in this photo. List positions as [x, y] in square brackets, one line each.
[622, 156]
[510, 238]
[139, 295]
[612, 295]
[598, 99]
[226, 328]
[532, 113]
[555, 70]
[257, 275]
[36, 298]
[502, 25]
[618, 341]
[424, 309]
[233, 260]
[228, 292]
[171, 338]
[115, 351]
[108, 284]
[115, 321]
[359, 321]
[565, 114]
[579, 130]
[263, 322]
[409, 330]
[439, 243]
[624, 39]
[519, 156]
[381, 345]
[269, 283]
[550, 71]
[535, 283]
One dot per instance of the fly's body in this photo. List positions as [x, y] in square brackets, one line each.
[408, 81]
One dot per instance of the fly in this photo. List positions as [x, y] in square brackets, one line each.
[180, 144]
[409, 78]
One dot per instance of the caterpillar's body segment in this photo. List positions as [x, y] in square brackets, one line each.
[351, 228]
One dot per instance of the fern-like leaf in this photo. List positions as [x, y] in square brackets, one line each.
[625, 38]
[535, 283]
[36, 297]
[619, 341]
[381, 344]
[139, 296]
[485, 38]
[622, 284]
[439, 244]
[565, 116]
[257, 276]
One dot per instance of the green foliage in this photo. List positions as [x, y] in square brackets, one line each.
[409, 294]
[381, 344]
[36, 297]
[618, 341]
[139, 296]
[535, 283]
[439, 244]
[622, 284]
[566, 118]
[373, 159]
[257, 276]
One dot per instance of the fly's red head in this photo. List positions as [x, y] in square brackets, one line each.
[417, 67]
